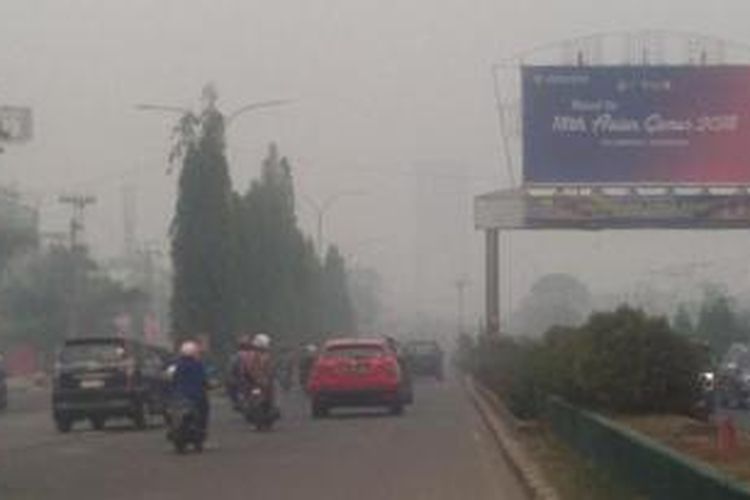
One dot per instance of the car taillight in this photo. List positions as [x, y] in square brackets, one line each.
[323, 368]
[389, 366]
[326, 366]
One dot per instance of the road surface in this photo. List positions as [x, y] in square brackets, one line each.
[438, 450]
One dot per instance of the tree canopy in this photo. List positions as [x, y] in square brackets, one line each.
[555, 299]
[35, 298]
[241, 262]
[282, 286]
[201, 238]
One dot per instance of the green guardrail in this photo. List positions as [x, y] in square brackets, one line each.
[649, 467]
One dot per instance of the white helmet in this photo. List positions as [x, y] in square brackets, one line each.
[262, 341]
[190, 349]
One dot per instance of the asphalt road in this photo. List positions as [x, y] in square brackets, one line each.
[438, 450]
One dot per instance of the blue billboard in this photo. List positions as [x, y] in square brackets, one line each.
[636, 125]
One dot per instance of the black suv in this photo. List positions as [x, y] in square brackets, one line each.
[97, 378]
[425, 357]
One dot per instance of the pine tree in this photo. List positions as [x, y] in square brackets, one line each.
[717, 323]
[202, 300]
[682, 323]
[339, 317]
[283, 288]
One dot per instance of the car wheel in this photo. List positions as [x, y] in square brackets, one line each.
[97, 423]
[397, 409]
[139, 417]
[63, 424]
[180, 446]
[319, 410]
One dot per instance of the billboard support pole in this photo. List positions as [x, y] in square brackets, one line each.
[492, 281]
[504, 130]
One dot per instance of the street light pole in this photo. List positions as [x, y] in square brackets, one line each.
[461, 285]
[78, 203]
[322, 208]
[209, 96]
[231, 117]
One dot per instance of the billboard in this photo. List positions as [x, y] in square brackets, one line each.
[520, 210]
[636, 125]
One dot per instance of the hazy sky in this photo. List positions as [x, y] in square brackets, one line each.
[381, 86]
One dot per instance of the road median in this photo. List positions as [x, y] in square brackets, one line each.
[505, 428]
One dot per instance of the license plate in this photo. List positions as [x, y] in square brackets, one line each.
[92, 384]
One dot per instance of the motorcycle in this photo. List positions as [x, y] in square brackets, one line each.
[257, 409]
[182, 425]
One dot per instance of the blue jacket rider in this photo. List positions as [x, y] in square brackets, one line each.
[190, 381]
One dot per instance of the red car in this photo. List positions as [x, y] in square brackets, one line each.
[355, 372]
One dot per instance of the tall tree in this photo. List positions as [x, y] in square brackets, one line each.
[35, 299]
[337, 310]
[682, 323]
[282, 287]
[202, 298]
[365, 288]
[266, 227]
[717, 323]
[554, 300]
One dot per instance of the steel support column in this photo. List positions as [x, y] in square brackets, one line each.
[492, 281]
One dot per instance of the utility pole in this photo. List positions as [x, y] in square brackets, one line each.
[461, 285]
[148, 268]
[150, 252]
[128, 221]
[78, 204]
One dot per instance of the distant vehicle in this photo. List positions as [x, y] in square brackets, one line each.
[424, 357]
[733, 377]
[406, 390]
[97, 378]
[356, 372]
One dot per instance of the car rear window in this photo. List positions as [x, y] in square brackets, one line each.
[97, 352]
[354, 351]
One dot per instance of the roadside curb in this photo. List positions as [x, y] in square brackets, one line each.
[525, 468]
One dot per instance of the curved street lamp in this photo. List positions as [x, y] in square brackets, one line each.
[189, 119]
[321, 209]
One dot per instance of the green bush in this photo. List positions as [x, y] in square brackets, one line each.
[621, 361]
[504, 364]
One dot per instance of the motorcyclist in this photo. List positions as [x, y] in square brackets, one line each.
[189, 381]
[257, 367]
[235, 373]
